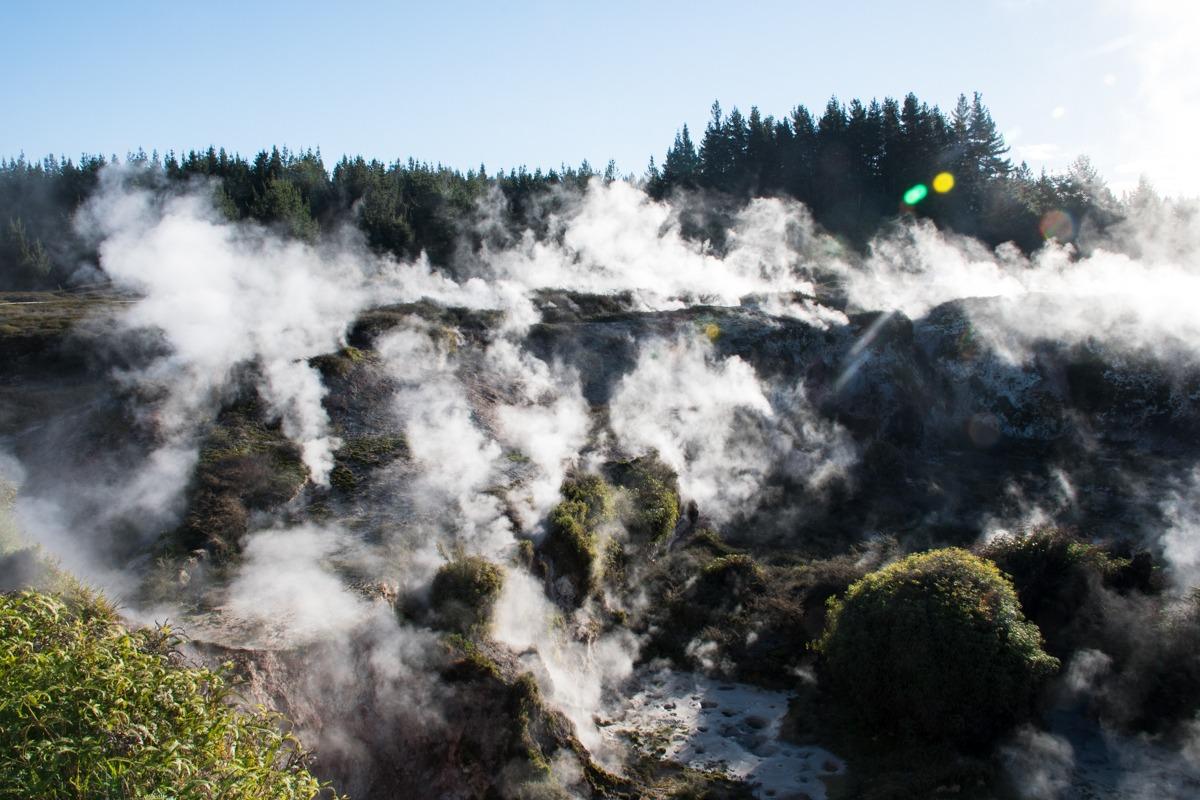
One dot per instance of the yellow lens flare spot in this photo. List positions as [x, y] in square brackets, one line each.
[712, 330]
[943, 182]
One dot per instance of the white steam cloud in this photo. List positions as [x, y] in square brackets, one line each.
[1127, 304]
[1041, 764]
[574, 674]
[1181, 541]
[491, 430]
[619, 240]
[713, 422]
[225, 295]
[287, 585]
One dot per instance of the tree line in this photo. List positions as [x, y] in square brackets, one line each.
[851, 166]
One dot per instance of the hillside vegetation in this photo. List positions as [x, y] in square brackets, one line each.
[91, 709]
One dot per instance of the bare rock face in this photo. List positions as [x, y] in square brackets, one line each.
[474, 725]
[946, 433]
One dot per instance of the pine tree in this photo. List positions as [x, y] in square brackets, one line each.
[759, 151]
[681, 167]
[986, 146]
[713, 150]
[800, 170]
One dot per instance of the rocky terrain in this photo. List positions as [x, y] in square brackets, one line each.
[581, 544]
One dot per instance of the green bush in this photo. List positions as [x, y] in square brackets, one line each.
[727, 580]
[1059, 580]
[89, 709]
[571, 547]
[933, 648]
[465, 592]
[653, 498]
[1048, 565]
[594, 493]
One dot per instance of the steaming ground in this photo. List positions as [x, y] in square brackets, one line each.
[781, 377]
[727, 727]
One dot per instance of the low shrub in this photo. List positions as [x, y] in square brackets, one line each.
[1059, 579]
[1045, 564]
[465, 592]
[933, 648]
[91, 709]
[727, 580]
[571, 548]
[595, 494]
[653, 495]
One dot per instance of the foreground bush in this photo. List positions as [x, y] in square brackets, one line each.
[89, 709]
[933, 648]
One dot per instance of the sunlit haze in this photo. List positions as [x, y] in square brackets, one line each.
[541, 83]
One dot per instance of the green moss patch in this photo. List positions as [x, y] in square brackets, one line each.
[652, 510]
[245, 465]
[41, 315]
[572, 546]
[372, 451]
[339, 364]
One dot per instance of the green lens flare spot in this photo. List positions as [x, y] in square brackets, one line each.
[916, 194]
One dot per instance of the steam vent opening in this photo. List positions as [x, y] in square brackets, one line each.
[848, 449]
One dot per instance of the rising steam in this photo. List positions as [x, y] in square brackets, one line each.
[491, 429]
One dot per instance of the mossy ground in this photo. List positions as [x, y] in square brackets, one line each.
[359, 455]
[651, 510]
[47, 315]
[246, 464]
[571, 547]
[341, 363]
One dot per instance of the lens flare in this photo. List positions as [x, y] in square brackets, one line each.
[713, 331]
[1057, 225]
[943, 182]
[916, 194]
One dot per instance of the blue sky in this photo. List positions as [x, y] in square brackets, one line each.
[543, 83]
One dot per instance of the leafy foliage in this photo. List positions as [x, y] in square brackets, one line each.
[1093, 604]
[90, 709]
[465, 591]
[1050, 569]
[653, 493]
[934, 648]
[726, 578]
[571, 546]
[595, 495]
